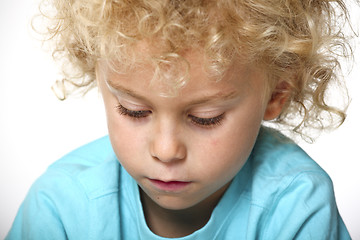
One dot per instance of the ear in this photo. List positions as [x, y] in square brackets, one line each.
[278, 99]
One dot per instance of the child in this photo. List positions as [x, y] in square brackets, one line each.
[186, 86]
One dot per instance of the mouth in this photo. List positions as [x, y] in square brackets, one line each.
[169, 186]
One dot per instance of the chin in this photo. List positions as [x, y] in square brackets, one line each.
[173, 203]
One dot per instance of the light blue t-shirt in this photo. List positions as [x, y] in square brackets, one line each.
[280, 193]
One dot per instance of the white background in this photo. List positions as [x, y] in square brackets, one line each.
[36, 128]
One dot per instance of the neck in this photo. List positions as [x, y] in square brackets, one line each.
[178, 223]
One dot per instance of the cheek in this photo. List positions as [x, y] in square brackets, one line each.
[214, 143]
[126, 144]
[119, 138]
[220, 158]
[226, 152]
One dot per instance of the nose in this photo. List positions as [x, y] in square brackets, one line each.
[166, 145]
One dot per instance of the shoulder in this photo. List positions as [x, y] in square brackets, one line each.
[275, 154]
[288, 187]
[86, 156]
[277, 163]
[86, 168]
[77, 192]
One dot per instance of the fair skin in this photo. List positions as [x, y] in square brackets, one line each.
[183, 151]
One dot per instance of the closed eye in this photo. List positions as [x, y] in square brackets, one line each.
[207, 122]
[131, 113]
[201, 122]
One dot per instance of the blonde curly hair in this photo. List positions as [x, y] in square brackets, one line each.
[298, 42]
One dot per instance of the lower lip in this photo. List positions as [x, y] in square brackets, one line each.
[172, 186]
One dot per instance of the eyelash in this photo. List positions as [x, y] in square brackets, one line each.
[202, 122]
[207, 122]
[133, 114]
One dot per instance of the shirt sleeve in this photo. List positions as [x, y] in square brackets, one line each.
[306, 209]
[49, 210]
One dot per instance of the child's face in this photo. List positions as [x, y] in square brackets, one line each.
[186, 149]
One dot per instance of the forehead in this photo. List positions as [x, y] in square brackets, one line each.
[176, 74]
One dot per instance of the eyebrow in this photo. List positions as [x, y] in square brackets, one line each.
[117, 87]
[220, 96]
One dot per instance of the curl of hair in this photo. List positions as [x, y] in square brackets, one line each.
[298, 42]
